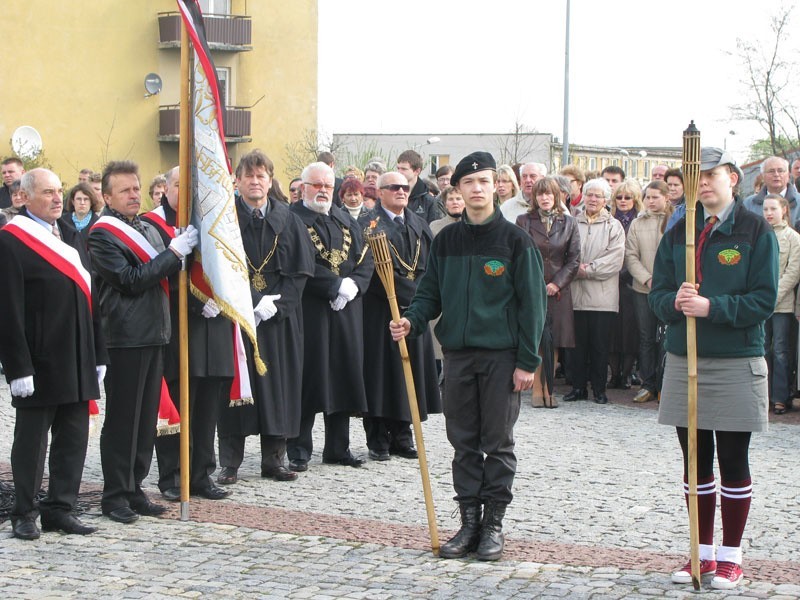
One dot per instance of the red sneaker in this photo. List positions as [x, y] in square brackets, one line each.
[707, 567]
[728, 576]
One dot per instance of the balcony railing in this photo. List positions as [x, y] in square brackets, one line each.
[232, 33]
[236, 121]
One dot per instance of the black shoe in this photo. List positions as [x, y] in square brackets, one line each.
[379, 455]
[614, 382]
[467, 538]
[347, 461]
[601, 398]
[279, 473]
[148, 509]
[635, 380]
[492, 540]
[405, 452]
[121, 515]
[172, 494]
[298, 466]
[65, 522]
[211, 492]
[228, 476]
[576, 394]
[25, 529]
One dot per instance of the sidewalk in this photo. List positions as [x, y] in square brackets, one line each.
[598, 512]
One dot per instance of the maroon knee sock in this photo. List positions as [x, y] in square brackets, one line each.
[706, 507]
[734, 506]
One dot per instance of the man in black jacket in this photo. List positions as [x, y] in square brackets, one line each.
[420, 201]
[132, 265]
[53, 353]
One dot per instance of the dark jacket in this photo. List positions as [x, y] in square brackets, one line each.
[134, 307]
[740, 279]
[48, 329]
[422, 203]
[755, 203]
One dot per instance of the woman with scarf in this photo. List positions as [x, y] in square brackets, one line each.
[626, 204]
[83, 206]
[555, 233]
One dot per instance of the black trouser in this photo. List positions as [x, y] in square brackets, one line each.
[337, 438]
[384, 434]
[133, 390]
[592, 334]
[207, 395]
[231, 451]
[649, 348]
[69, 424]
[480, 410]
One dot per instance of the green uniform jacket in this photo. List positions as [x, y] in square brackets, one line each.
[489, 280]
[740, 279]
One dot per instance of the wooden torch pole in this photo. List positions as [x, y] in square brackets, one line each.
[383, 265]
[691, 177]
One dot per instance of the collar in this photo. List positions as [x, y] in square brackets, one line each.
[41, 222]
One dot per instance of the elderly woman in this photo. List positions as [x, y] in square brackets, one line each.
[555, 233]
[644, 235]
[507, 185]
[351, 193]
[595, 292]
[17, 201]
[576, 178]
[83, 207]
[453, 208]
[626, 204]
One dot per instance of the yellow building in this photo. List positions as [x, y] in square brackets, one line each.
[75, 72]
[636, 161]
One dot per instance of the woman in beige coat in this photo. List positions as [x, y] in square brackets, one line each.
[644, 236]
[779, 326]
[595, 292]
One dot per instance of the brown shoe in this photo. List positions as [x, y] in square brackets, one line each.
[643, 395]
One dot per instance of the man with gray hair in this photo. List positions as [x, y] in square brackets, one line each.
[775, 170]
[333, 326]
[529, 174]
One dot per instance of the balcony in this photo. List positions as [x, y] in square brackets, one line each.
[236, 121]
[228, 33]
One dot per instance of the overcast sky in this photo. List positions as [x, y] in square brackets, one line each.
[637, 75]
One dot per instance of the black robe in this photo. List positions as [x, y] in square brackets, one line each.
[383, 369]
[333, 370]
[277, 393]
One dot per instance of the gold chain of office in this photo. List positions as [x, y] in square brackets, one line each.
[334, 257]
[258, 279]
[410, 268]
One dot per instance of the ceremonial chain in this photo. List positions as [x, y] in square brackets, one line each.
[334, 257]
[259, 281]
[408, 267]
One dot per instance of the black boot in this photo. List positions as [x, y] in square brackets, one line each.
[492, 538]
[466, 540]
[576, 394]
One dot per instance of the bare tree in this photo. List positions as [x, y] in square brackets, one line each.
[302, 152]
[769, 81]
[518, 145]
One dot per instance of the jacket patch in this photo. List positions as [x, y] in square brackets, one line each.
[494, 268]
[729, 257]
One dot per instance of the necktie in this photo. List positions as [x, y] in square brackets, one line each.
[56, 232]
[400, 220]
[258, 218]
[701, 242]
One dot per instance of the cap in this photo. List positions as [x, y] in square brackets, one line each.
[711, 158]
[477, 161]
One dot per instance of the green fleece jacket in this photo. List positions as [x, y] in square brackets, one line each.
[740, 279]
[487, 283]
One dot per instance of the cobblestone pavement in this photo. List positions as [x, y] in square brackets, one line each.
[597, 513]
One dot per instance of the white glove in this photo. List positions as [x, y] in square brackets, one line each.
[210, 309]
[101, 374]
[182, 245]
[266, 308]
[339, 303]
[348, 289]
[22, 387]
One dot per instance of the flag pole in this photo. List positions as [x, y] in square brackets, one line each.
[184, 162]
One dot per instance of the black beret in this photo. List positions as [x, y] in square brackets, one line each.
[477, 161]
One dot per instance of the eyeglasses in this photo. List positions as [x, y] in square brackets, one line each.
[319, 186]
[624, 197]
[396, 187]
[294, 189]
[775, 172]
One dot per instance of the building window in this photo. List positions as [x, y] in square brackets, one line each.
[224, 77]
[647, 169]
[215, 7]
[593, 164]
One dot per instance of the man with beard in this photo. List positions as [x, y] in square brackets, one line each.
[211, 372]
[333, 377]
[388, 426]
[279, 260]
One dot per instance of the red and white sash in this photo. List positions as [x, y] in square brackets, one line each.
[134, 240]
[159, 218]
[59, 255]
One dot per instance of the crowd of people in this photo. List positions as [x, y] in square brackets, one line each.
[576, 281]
